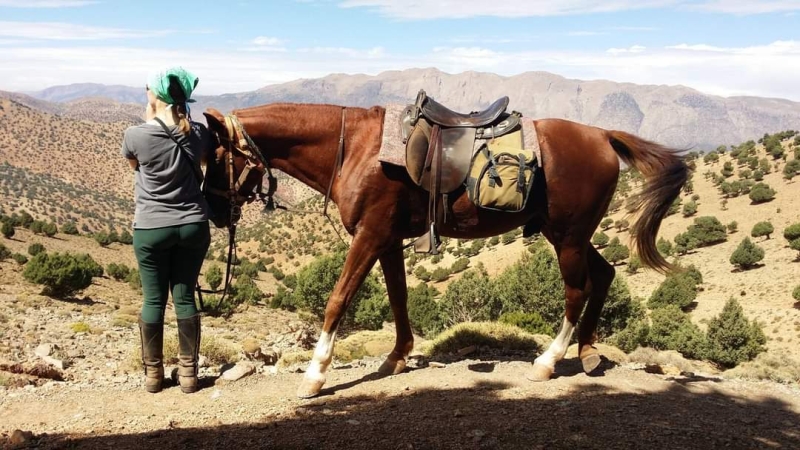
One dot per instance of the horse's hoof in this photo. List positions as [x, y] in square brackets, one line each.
[309, 388]
[590, 358]
[540, 372]
[390, 367]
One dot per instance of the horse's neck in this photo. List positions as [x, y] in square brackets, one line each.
[299, 140]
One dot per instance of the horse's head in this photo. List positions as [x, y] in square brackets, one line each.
[234, 172]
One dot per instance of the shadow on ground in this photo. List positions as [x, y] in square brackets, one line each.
[489, 415]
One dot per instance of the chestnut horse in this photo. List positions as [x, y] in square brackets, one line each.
[380, 207]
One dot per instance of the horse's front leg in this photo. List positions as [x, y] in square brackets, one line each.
[395, 275]
[364, 251]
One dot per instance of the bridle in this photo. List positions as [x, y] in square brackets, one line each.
[238, 192]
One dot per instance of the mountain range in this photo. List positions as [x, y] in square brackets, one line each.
[672, 115]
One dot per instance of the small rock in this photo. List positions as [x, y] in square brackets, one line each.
[239, 371]
[457, 413]
[19, 437]
[353, 422]
[44, 350]
[437, 365]
[217, 394]
[467, 350]
[59, 364]
[202, 361]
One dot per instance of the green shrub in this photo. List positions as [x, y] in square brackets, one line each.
[483, 334]
[620, 309]
[761, 193]
[606, 223]
[792, 234]
[733, 227]
[440, 274]
[372, 311]
[732, 338]
[616, 252]
[531, 322]
[214, 277]
[290, 281]
[747, 254]
[494, 240]
[246, 268]
[49, 229]
[316, 281]
[35, 248]
[244, 290]
[95, 268]
[283, 299]
[62, 274]
[125, 238]
[533, 283]
[69, 228]
[796, 293]
[19, 258]
[705, 231]
[690, 209]
[634, 265]
[7, 229]
[134, 279]
[470, 299]
[790, 169]
[762, 229]
[102, 238]
[672, 329]
[5, 253]
[508, 238]
[423, 311]
[600, 239]
[459, 265]
[758, 175]
[664, 247]
[635, 335]
[422, 273]
[37, 227]
[118, 272]
[621, 225]
[678, 289]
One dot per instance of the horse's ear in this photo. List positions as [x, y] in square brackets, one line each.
[215, 120]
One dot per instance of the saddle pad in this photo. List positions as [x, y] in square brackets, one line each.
[393, 151]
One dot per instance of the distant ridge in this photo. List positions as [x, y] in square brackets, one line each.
[673, 115]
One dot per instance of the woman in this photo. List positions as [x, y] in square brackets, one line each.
[170, 228]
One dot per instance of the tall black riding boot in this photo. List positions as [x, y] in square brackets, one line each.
[188, 353]
[152, 354]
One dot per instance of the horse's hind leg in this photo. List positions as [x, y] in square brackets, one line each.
[363, 253]
[601, 274]
[395, 275]
[572, 261]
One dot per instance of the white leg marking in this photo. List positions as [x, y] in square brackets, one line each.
[558, 348]
[323, 355]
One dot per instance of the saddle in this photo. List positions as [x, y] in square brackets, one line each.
[440, 144]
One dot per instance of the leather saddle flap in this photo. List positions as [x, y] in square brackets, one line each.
[457, 145]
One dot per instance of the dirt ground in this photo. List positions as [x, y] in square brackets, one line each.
[468, 404]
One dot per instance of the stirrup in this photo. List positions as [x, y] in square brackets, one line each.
[428, 242]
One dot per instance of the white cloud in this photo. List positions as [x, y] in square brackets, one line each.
[45, 3]
[57, 31]
[631, 49]
[723, 71]
[747, 6]
[267, 41]
[459, 9]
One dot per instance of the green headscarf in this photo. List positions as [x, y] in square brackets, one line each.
[159, 83]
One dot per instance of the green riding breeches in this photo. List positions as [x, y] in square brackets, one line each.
[170, 259]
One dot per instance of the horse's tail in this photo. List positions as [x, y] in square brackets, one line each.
[665, 173]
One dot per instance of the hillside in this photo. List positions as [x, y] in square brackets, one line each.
[673, 115]
[86, 108]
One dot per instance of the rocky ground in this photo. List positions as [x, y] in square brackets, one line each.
[479, 402]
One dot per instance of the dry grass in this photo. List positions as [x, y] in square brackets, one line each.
[80, 327]
[646, 355]
[777, 366]
[218, 351]
[484, 334]
[356, 346]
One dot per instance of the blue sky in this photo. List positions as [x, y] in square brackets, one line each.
[717, 46]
